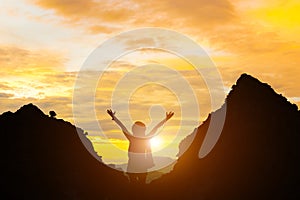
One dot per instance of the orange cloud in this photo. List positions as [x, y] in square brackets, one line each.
[101, 29]
[190, 12]
[33, 76]
[96, 15]
[88, 9]
[17, 61]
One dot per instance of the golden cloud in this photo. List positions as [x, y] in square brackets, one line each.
[88, 9]
[121, 15]
[33, 76]
[19, 61]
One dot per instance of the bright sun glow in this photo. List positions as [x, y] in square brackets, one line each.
[156, 142]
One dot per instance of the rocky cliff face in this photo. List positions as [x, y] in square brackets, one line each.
[44, 158]
[257, 155]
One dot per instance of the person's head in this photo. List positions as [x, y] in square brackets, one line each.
[139, 129]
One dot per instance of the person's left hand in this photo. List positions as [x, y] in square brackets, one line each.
[111, 113]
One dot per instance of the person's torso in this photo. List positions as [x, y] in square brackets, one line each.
[139, 145]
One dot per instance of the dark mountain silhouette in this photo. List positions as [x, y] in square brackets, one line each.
[43, 158]
[256, 157]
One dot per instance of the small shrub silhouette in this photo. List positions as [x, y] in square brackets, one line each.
[52, 114]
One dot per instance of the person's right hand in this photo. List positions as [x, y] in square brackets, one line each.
[111, 113]
[169, 115]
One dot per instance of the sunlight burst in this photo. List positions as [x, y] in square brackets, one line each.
[156, 142]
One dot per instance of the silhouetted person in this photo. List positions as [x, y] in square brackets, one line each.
[139, 152]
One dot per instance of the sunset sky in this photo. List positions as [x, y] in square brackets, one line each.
[44, 43]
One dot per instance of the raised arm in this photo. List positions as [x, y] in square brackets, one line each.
[120, 124]
[154, 130]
